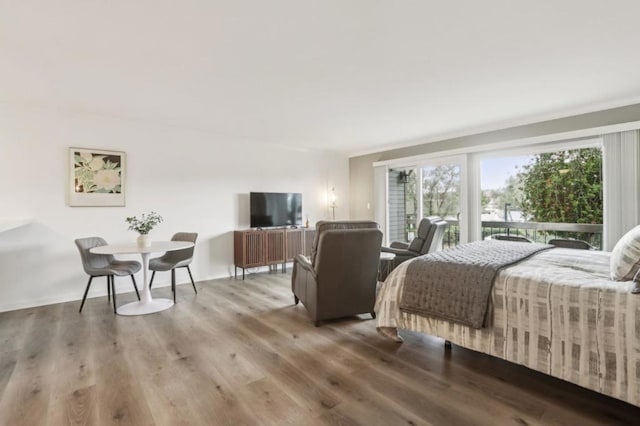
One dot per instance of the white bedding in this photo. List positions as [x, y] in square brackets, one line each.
[558, 313]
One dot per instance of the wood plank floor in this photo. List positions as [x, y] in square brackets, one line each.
[240, 353]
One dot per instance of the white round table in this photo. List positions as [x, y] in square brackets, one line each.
[146, 305]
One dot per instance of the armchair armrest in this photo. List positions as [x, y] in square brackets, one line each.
[303, 262]
[400, 252]
[303, 280]
[399, 245]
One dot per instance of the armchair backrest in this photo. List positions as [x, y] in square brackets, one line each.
[324, 225]
[346, 269]
[429, 235]
[436, 235]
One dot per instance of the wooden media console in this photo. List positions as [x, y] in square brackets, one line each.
[266, 247]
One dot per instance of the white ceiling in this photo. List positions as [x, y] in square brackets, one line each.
[348, 75]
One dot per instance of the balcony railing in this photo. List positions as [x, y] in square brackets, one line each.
[539, 232]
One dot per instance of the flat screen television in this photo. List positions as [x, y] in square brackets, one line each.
[269, 209]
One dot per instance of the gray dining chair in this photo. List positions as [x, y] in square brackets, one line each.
[173, 260]
[104, 265]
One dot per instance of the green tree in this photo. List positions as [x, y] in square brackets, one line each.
[440, 190]
[511, 193]
[563, 186]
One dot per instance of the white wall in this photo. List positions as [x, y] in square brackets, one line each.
[197, 181]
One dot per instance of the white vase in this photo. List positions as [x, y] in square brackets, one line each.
[144, 240]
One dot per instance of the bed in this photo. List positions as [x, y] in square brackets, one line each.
[557, 312]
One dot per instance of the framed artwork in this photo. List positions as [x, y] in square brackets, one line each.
[96, 177]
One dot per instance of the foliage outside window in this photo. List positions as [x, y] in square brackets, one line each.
[564, 186]
[441, 191]
[554, 187]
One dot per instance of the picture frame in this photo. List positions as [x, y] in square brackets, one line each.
[96, 177]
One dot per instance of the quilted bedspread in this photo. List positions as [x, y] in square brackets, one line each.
[456, 284]
[557, 312]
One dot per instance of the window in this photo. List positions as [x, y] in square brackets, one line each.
[441, 197]
[539, 191]
[543, 196]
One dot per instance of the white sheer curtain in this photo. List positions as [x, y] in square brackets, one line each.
[621, 176]
[380, 199]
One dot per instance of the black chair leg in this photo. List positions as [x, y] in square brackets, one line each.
[151, 282]
[373, 315]
[108, 290]
[191, 276]
[135, 286]
[86, 291]
[173, 284]
[295, 299]
[113, 290]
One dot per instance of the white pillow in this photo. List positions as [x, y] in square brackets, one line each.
[625, 257]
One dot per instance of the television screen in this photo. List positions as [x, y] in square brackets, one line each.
[275, 209]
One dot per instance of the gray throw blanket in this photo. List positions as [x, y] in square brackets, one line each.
[455, 284]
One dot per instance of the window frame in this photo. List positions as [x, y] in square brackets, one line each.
[595, 142]
[470, 220]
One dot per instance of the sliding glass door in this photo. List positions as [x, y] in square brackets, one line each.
[403, 204]
[441, 196]
[431, 189]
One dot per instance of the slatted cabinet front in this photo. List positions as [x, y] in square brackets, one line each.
[254, 248]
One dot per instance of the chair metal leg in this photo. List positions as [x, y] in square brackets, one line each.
[173, 284]
[86, 291]
[135, 286]
[295, 299]
[108, 290]
[151, 282]
[192, 282]
[113, 290]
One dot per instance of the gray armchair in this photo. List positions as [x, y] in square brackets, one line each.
[340, 278]
[104, 265]
[428, 239]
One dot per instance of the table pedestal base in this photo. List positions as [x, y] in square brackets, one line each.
[142, 308]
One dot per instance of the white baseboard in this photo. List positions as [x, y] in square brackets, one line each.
[63, 298]
[32, 303]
